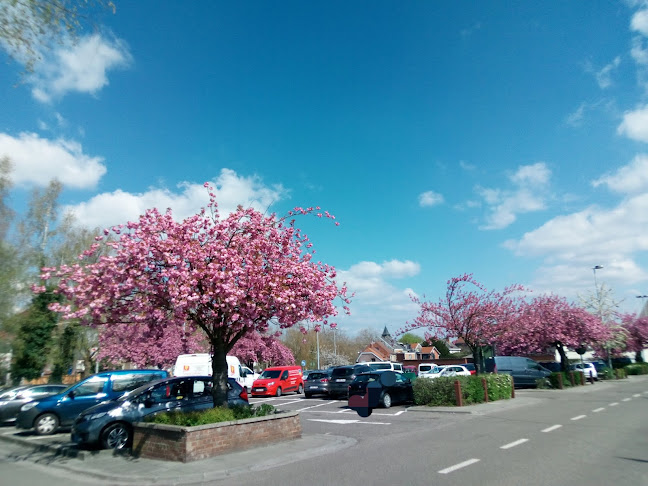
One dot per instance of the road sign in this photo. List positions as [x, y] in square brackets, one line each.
[303, 362]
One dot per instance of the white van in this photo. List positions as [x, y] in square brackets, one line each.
[200, 364]
[426, 367]
[385, 365]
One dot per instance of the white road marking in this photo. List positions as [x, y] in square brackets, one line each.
[314, 406]
[450, 469]
[345, 422]
[552, 428]
[614, 404]
[288, 403]
[600, 409]
[398, 413]
[513, 444]
[578, 417]
[626, 399]
[636, 395]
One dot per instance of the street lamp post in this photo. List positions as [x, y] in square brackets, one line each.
[318, 357]
[600, 313]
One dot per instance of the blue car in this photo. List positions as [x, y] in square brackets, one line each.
[47, 415]
[110, 423]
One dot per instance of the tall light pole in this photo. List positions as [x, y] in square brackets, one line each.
[318, 360]
[643, 311]
[600, 313]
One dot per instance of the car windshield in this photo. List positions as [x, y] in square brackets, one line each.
[437, 370]
[271, 374]
[342, 372]
[10, 394]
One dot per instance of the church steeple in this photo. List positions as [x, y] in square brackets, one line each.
[385, 334]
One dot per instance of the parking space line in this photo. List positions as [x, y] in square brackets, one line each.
[514, 443]
[294, 401]
[614, 404]
[552, 428]
[600, 409]
[450, 469]
[578, 417]
[314, 406]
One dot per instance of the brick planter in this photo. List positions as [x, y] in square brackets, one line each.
[186, 444]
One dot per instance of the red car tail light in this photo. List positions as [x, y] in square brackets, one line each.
[244, 394]
[324, 380]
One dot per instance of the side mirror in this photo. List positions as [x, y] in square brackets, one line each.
[72, 394]
[148, 402]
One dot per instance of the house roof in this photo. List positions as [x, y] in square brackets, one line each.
[379, 349]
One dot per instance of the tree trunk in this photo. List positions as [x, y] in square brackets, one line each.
[219, 373]
[638, 357]
[563, 357]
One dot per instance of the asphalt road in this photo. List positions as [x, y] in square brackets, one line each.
[592, 435]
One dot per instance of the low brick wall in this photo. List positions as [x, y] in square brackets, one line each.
[186, 444]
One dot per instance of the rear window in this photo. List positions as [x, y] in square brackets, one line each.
[342, 372]
[130, 381]
[366, 378]
[380, 366]
[317, 376]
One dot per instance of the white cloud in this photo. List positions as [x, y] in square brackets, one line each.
[430, 198]
[376, 301]
[108, 209]
[591, 235]
[82, 68]
[639, 22]
[37, 161]
[638, 52]
[466, 166]
[635, 124]
[604, 76]
[629, 179]
[529, 194]
[575, 119]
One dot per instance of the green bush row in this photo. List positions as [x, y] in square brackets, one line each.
[212, 415]
[441, 391]
[637, 369]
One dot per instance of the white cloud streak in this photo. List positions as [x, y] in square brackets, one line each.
[430, 198]
[635, 124]
[79, 68]
[629, 179]
[37, 161]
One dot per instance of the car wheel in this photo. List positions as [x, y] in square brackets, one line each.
[46, 424]
[116, 436]
[308, 395]
[387, 401]
[278, 392]
[301, 389]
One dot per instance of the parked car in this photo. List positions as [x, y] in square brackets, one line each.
[600, 366]
[426, 367]
[342, 376]
[277, 380]
[400, 392]
[13, 399]
[587, 368]
[110, 424]
[553, 366]
[432, 373]
[525, 371]
[317, 383]
[47, 415]
[470, 367]
[385, 365]
[455, 370]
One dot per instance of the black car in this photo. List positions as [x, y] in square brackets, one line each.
[399, 389]
[554, 366]
[342, 376]
[110, 423]
[13, 399]
[316, 383]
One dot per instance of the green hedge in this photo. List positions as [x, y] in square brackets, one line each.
[441, 391]
[211, 415]
[637, 369]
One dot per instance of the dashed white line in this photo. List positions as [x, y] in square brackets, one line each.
[626, 399]
[636, 395]
[513, 444]
[600, 409]
[578, 417]
[552, 428]
[614, 404]
[450, 469]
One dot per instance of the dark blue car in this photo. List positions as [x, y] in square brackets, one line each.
[110, 423]
[47, 415]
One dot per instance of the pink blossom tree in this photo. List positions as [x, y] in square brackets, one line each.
[255, 348]
[636, 329]
[226, 277]
[549, 321]
[468, 311]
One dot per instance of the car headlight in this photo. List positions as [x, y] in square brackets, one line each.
[3, 403]
[271, 383]
[95, 416]
[27, 406]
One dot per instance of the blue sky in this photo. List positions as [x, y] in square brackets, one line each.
[503, 139]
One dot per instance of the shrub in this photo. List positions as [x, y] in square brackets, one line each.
[606, 374]
[211, 415]
[637, 369]
[441, 391]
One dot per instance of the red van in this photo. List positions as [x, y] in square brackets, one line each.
[277, 380]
